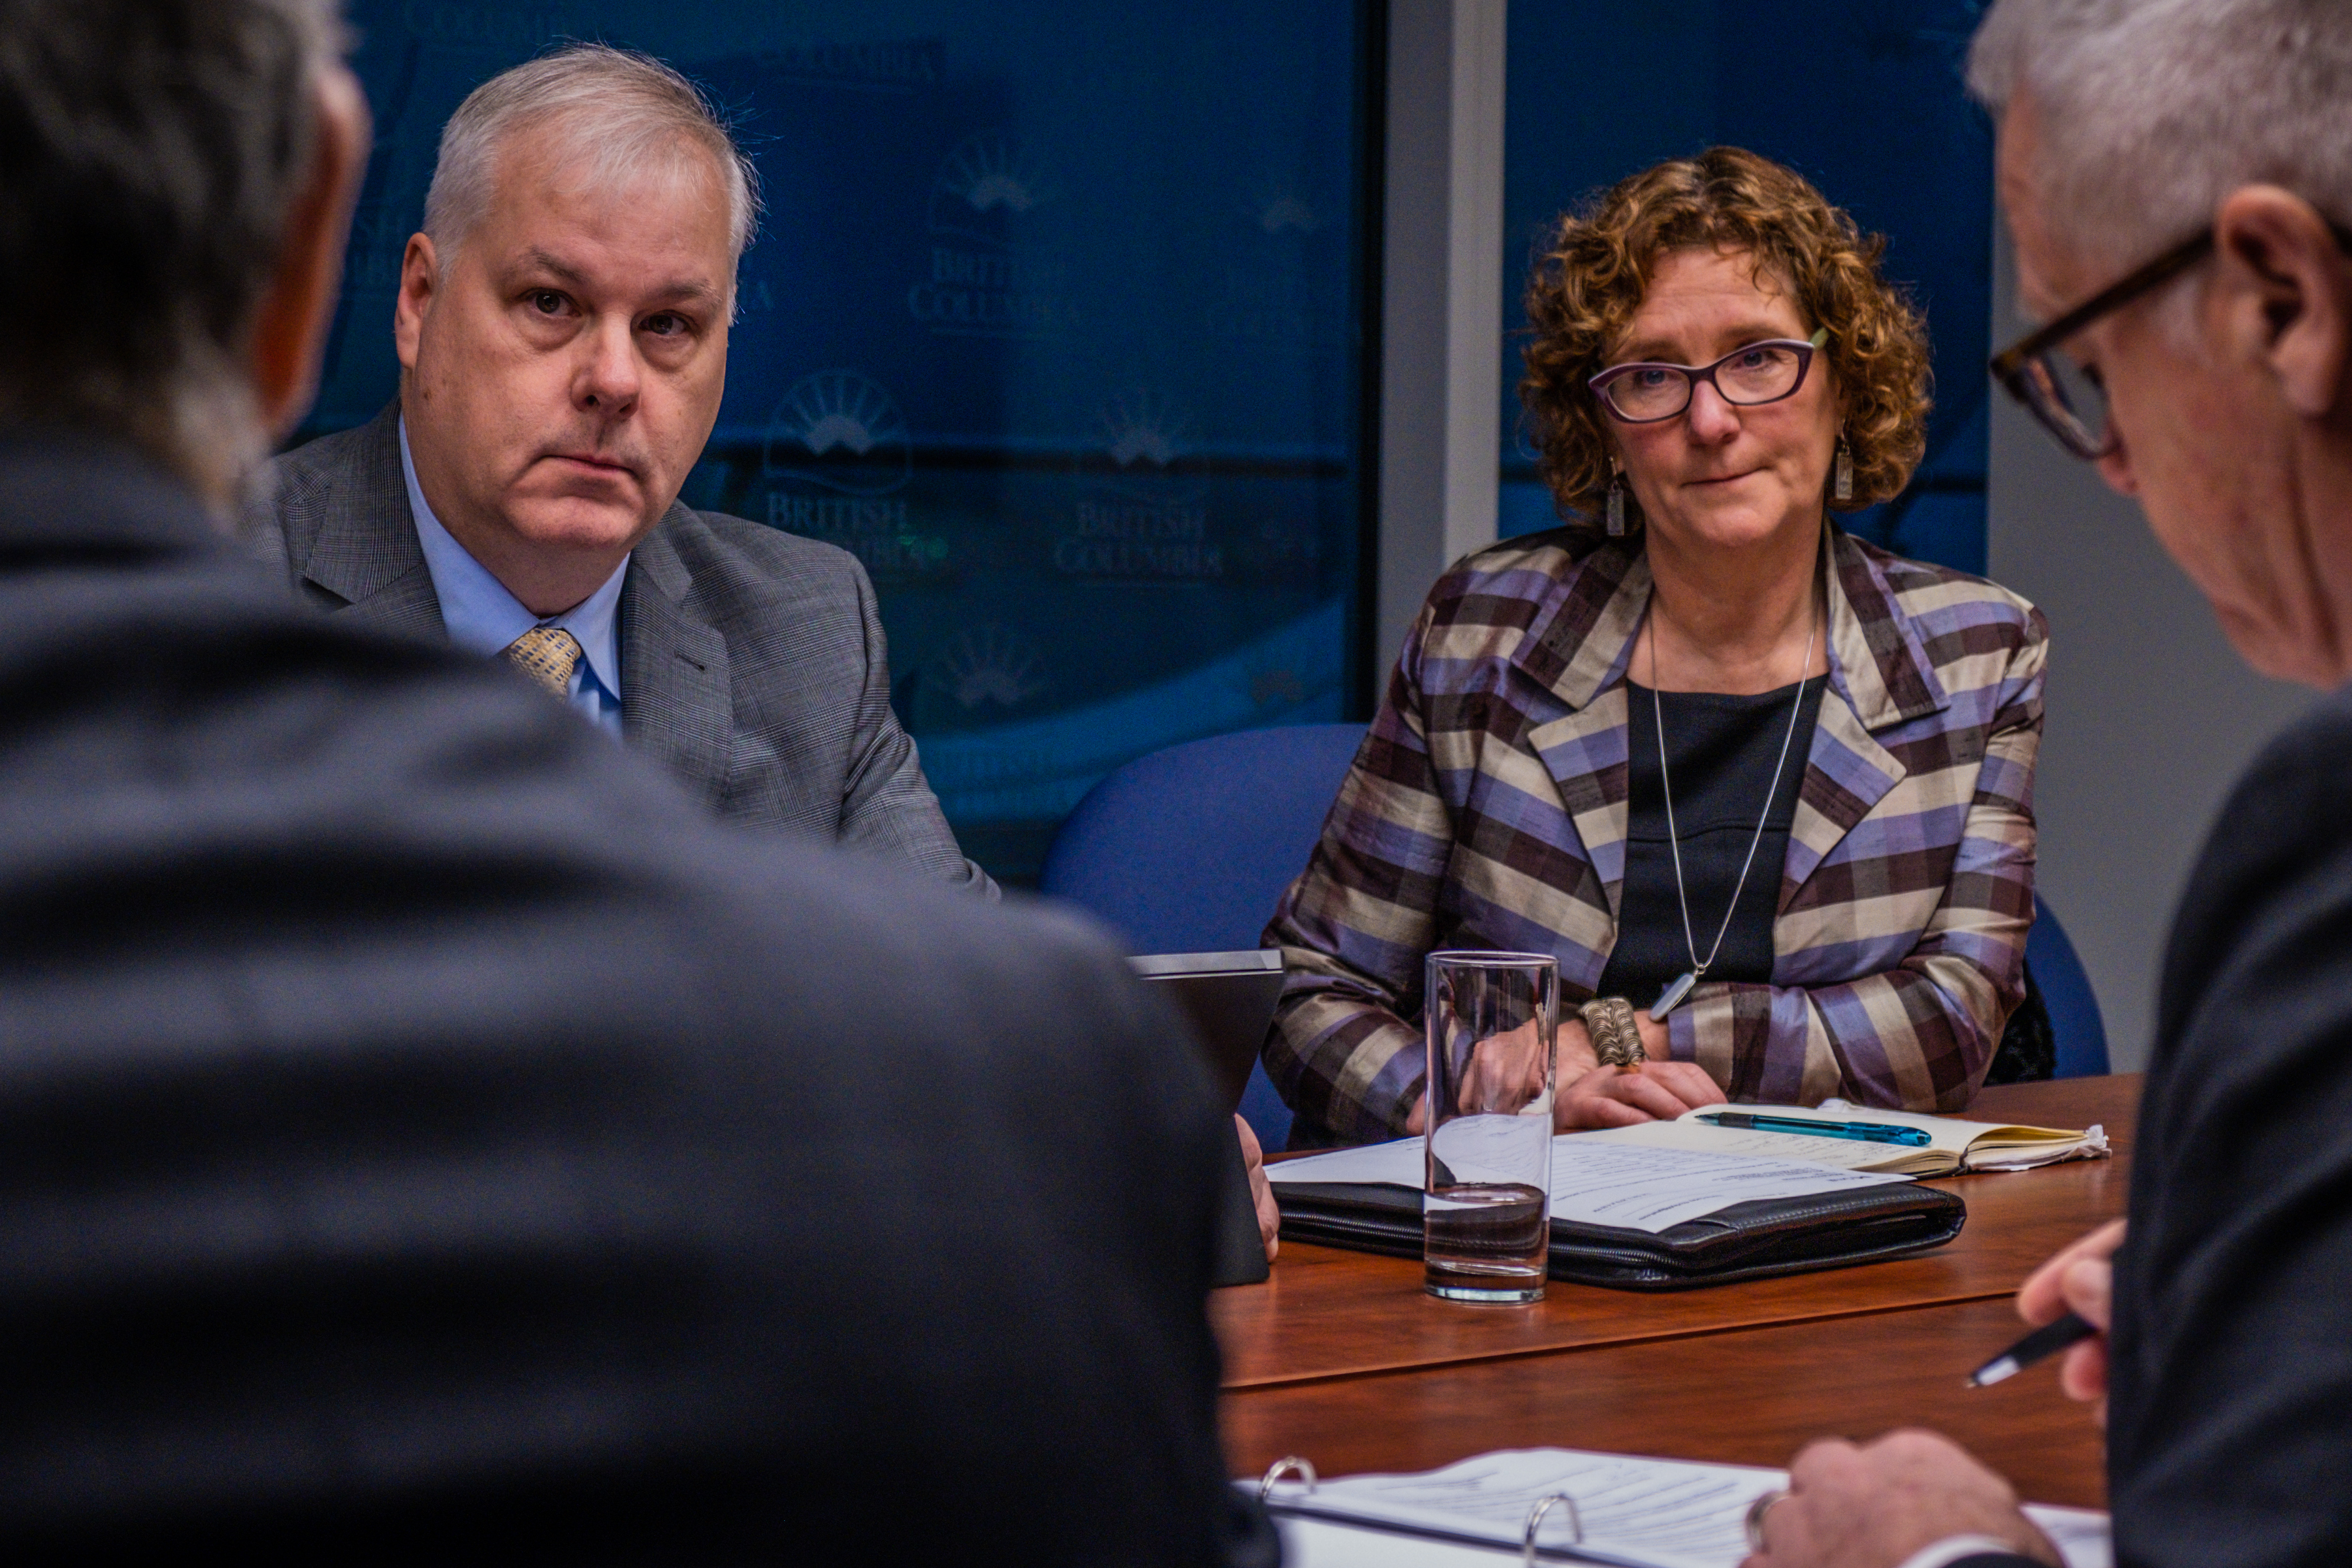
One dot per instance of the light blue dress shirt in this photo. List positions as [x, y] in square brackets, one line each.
[481, 614]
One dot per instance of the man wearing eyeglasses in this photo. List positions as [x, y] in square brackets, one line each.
[2178, 174]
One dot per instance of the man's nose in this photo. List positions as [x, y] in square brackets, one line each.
[1712, 419]
[608, 377]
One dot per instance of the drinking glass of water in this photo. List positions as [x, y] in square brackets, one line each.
[1486, 1211]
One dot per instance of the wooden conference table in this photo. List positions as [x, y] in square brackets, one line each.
[1340, 1357]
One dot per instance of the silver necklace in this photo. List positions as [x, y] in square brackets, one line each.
[1674, 995]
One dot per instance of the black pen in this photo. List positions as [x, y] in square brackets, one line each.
[2043, 1341]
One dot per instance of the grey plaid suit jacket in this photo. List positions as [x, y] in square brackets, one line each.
[752, 661]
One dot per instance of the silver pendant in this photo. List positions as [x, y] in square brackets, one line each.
[1674, 996]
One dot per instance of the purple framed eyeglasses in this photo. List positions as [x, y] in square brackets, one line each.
[1646, 391]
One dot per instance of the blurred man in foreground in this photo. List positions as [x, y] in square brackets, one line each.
[419, 1137]
[2178, 174]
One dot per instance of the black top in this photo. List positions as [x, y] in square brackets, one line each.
[419, 1127]
[1720, 752]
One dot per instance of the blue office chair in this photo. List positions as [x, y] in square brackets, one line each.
[2075, 1024]
[1188, 849]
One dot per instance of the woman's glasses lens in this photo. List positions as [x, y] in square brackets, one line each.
[1650, 392]
[1762, 372]
[1759, 374]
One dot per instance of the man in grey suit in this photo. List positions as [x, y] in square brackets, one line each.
[561, 326]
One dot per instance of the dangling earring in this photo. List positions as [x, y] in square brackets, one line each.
[1843, 486]
[1616, 500]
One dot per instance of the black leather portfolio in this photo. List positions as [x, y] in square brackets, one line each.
[1746, 1241]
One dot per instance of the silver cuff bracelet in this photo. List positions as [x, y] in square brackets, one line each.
[1616, 1038]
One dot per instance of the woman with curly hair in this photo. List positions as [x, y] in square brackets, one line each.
[1764, 790]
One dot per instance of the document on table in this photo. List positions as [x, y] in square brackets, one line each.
[1625, 1185]
[1635, 1512]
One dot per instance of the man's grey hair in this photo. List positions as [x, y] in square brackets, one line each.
[152, 149]
[2151, 111]
[618, 112]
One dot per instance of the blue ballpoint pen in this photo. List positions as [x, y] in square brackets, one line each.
[1861, 1131]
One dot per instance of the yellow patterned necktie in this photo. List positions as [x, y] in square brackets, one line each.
[548, 655]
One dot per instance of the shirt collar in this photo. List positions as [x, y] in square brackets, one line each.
[483, 616]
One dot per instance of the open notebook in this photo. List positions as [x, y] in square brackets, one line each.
[1954, 1144]
[1632, 1512]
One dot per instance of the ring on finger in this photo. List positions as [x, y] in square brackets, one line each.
[1756, 1512]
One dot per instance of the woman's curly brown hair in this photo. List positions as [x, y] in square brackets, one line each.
[1584, 289]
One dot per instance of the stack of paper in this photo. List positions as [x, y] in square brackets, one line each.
[1635, 1512]
[1596, 1183]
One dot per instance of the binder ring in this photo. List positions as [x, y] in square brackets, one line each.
[1283, 1466]
[1535, 1520]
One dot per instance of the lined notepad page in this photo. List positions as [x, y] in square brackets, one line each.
[1954, 1142]
[1636, 1513]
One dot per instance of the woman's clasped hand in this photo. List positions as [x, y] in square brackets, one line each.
[1591, 1095]
[1506, 1074]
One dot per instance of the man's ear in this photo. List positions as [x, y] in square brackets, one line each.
[2290, 293]
[289, 327]
[420, 279]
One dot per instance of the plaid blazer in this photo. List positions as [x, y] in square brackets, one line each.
[753, 662]
[1487, 809]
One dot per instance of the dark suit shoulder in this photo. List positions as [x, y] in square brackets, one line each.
[2231, 1385]
[307, 483]
[798, 617]
[2305, 766]
[724, 552]
[812, 742]
[324, 457]
[2286, 810]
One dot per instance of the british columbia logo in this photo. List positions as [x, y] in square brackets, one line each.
[989, 273]
[1140, 512]
[836, 456]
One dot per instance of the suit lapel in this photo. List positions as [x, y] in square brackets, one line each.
[1585, 754]
[1847, 772]
[407, 605]
[364, 550]
[675, 702]
[1880, 677]
[1578, 646]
